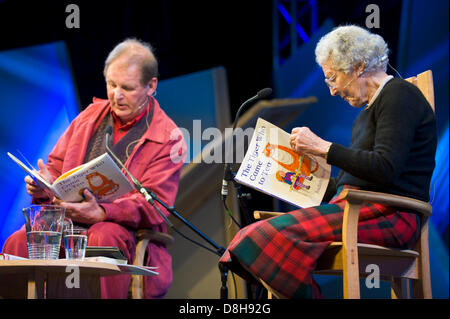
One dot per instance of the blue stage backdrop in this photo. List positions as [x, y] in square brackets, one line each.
[38, 102]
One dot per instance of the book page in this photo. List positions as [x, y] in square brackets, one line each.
[38, 179]
[138, 270]
[101, 176]
[125, 267]
[4, 256]
[272, 167]
[102, 259]
[68, 173]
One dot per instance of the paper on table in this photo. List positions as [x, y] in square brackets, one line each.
[102, 259]
[138, 270]
[124, 267]
[4, 256]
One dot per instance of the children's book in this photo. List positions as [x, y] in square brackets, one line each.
[271, 166]
[101, 176]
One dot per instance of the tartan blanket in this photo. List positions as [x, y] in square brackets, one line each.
[283, 250]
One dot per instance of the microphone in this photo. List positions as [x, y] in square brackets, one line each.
[109, 131]
[149, 195]
[264, 93]
[227, 175]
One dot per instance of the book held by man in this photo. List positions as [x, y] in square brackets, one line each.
[101, 176]
[271, 166]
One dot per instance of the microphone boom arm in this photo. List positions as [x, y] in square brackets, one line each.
[151, 197]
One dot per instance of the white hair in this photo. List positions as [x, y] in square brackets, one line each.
[348, 47]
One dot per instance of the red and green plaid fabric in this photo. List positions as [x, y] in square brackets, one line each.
[283, 250]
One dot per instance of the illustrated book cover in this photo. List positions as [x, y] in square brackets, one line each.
[271, 166]
[102, 176]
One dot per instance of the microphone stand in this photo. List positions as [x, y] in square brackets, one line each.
[242, 197]
[243, 202]
[228, 175]
[219, 250]
[151, 197]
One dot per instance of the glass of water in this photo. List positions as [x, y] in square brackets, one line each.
[44, 224]
[75, 242]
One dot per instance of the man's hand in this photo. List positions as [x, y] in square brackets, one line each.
[86, 212]
[303, 140]
[32, 188]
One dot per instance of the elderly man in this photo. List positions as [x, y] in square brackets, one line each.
[392, 150]
[143, 140]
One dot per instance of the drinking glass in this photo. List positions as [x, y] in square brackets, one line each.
[75, 242]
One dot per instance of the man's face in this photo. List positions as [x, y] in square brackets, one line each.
[126, 94]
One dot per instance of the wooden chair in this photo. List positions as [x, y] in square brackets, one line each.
[351, 258]
[144, 236]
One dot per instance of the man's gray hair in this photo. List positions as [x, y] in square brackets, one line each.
[347, 47]
[137, 52]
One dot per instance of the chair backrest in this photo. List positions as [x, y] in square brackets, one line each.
[424, 81]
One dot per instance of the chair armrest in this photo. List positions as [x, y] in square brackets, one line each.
[258, 214]
[354, 199]
[151, 235]
[359, 196]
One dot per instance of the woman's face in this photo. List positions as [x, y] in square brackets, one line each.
[350, 86]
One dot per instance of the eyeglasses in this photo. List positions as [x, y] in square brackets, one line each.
[330, 81]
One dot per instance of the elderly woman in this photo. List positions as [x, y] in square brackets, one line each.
[392, 150]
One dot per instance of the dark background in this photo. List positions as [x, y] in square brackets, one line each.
[188, 36]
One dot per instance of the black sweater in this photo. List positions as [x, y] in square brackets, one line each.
[392, 147]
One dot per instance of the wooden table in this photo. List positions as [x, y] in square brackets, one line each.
[51, 279]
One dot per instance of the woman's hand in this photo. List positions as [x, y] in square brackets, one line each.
[303, 140]
[86, 212]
